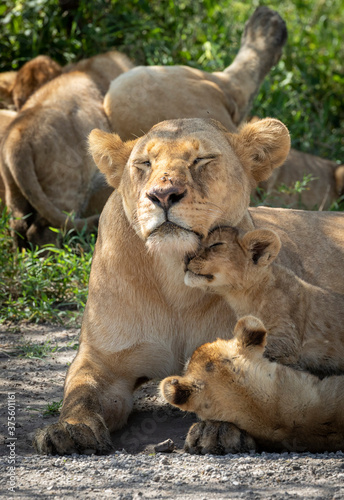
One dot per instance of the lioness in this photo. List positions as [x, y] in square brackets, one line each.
[173, 186]
[279, 407]
[305, 323]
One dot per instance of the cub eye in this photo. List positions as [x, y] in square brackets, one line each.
[217, 244]
[146, 163]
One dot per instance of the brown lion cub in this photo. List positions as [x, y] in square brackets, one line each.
[281, 408]
[305, 323]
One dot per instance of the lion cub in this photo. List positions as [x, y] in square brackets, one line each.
[281, 408]
[305, 323]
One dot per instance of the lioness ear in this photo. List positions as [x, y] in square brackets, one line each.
[261, 147]
[110, 154]
[261, 245]
[250, 332]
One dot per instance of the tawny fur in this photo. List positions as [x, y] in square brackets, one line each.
[7, 79]
[281, 408]
[33, 75]
[102, 68]
[46, 168]
[305, 322]
[173, 186]
[6, 118]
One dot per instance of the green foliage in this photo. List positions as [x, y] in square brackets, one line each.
[44, 285]
[305, 90]
[33, 350]
[265, 199]
[52, 409]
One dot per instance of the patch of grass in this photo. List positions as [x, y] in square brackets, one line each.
[37, 351]
[52, 409]
[36, 286]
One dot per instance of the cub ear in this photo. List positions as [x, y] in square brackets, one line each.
[175, 390]
[261, 245]
[261, 147]
[250, 332]
[110, 154]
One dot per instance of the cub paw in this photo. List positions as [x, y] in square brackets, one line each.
[64, 439]
[217, 438]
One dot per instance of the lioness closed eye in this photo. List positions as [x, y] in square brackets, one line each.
[279, 407]
[305, 323]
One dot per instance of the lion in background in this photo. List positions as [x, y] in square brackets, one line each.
[45, 165]
[280, 408]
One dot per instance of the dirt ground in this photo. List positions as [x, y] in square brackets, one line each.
[32, 386]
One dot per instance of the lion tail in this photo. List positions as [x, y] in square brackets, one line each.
[20, 163]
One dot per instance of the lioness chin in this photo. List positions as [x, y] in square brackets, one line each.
[281, 408]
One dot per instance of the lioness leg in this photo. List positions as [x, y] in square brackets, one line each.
[261, 46]
[97, 399]
[217, 438]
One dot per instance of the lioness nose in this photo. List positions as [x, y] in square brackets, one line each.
[166, 197]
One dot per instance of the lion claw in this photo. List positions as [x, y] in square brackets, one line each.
[65, 439]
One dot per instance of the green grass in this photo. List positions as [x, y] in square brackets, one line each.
[38, 287]
[33, 350]
[52, 409]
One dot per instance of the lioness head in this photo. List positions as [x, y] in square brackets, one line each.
[215, 373]
[187, 176]
[232, 259]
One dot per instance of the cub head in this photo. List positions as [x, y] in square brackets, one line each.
[33, 75]
[232, 259]
[215, 374]
[187, 176]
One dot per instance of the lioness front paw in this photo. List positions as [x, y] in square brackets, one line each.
[217, 438]
[64, 439]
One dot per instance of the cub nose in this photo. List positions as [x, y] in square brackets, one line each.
[165, 197]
